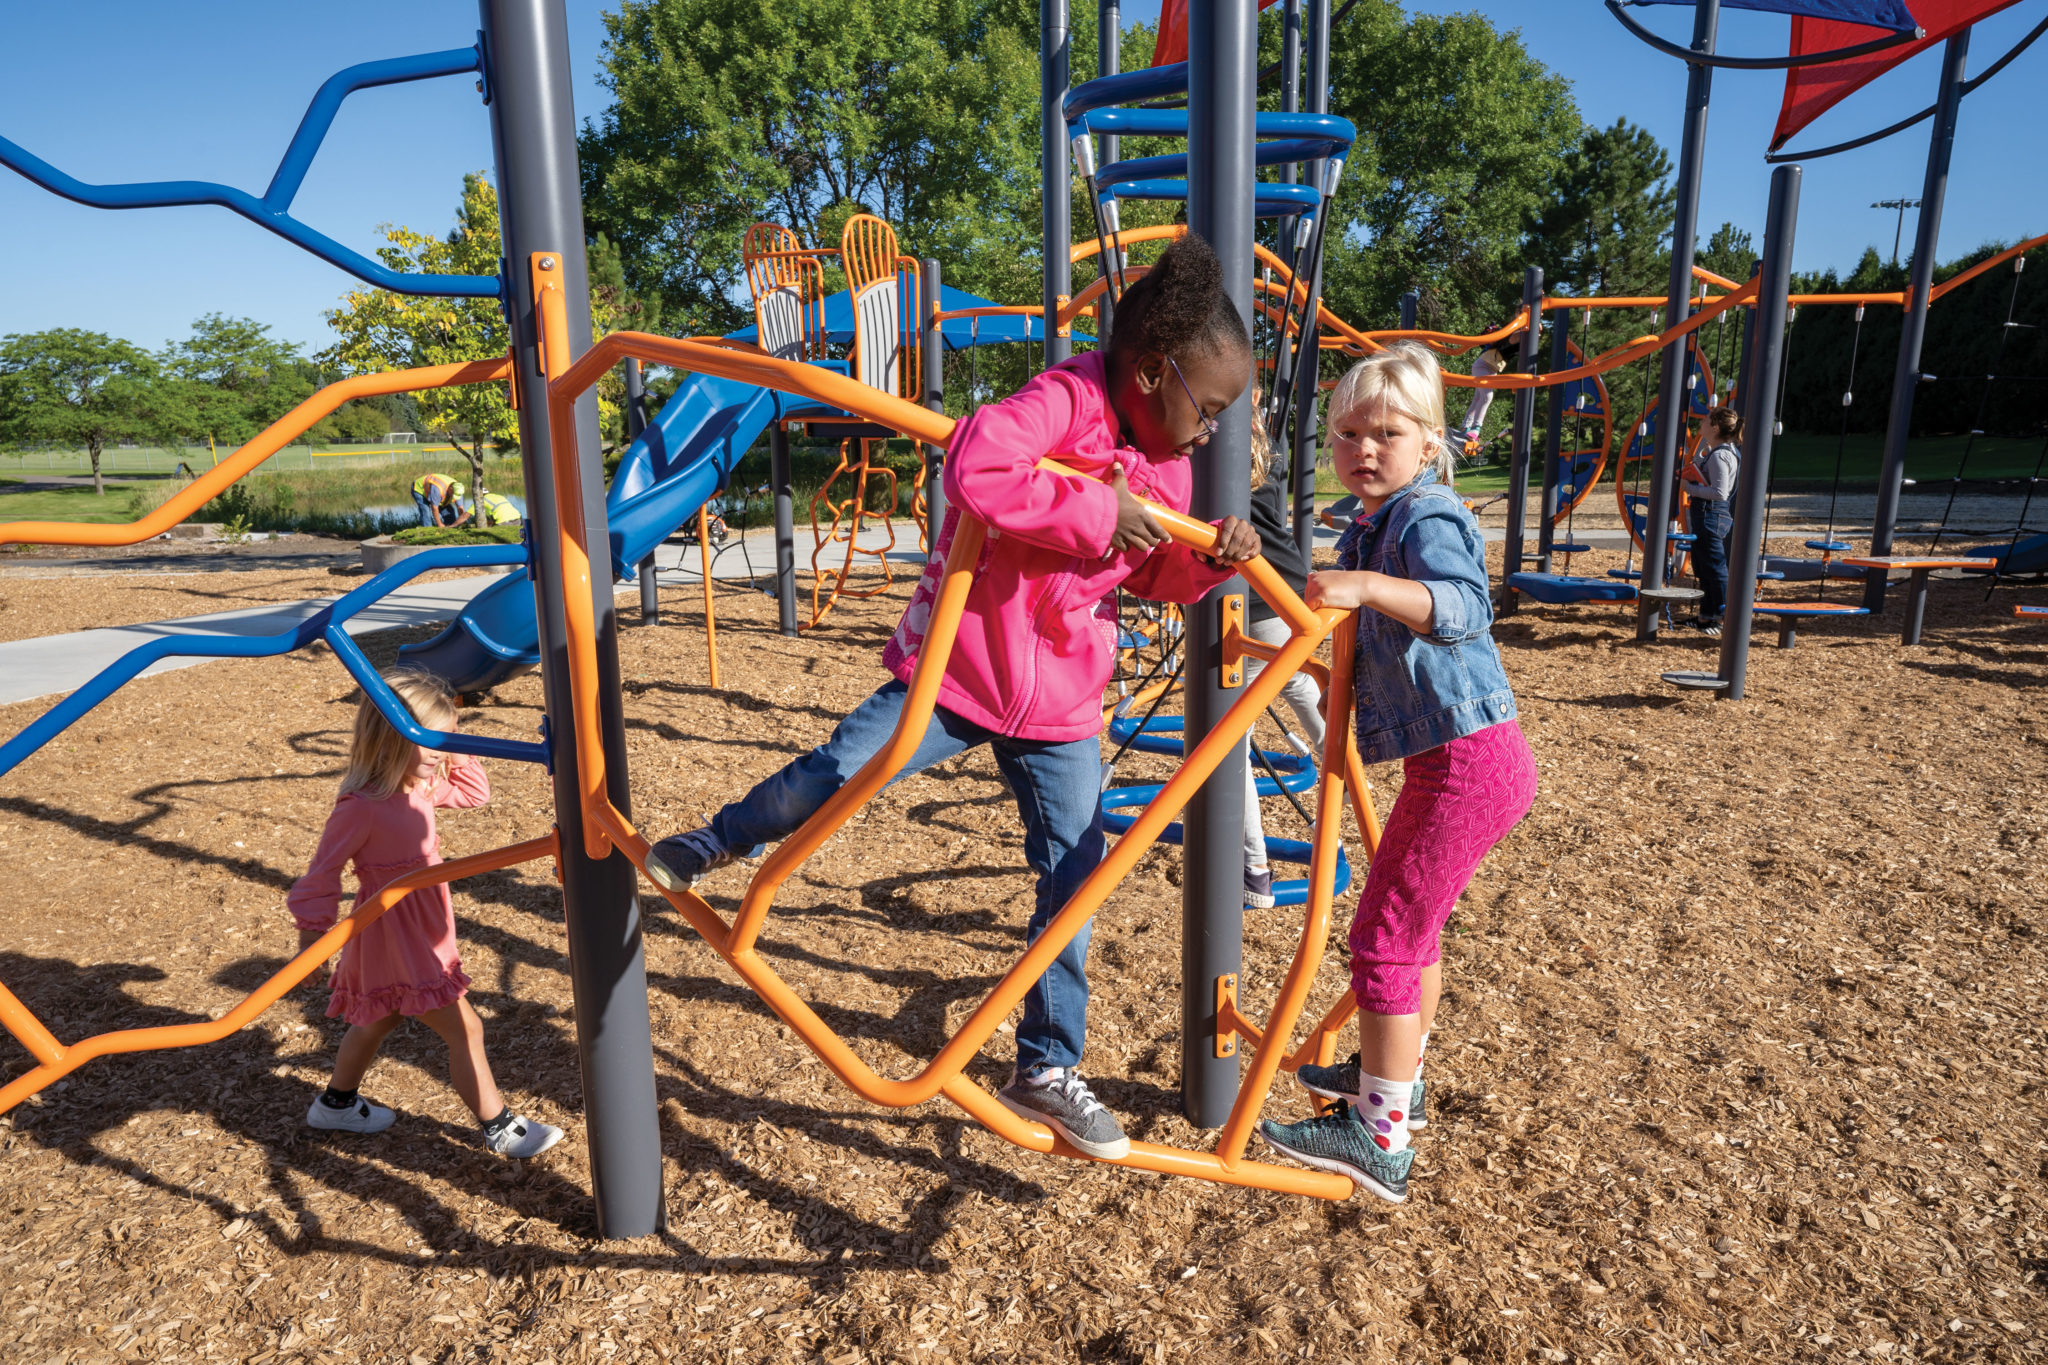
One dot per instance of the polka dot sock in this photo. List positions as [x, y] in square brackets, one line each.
[1383, 1109]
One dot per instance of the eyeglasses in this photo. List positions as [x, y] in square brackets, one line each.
[1210, 426]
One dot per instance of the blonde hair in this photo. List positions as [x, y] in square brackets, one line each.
[1262, 444]
[1405, 378]
[379, 758]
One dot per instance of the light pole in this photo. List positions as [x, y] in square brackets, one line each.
[1900, 231]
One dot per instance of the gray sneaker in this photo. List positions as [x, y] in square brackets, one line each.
[360, 1117]
[1058, 1098]
[1340, 1082]
[682, 860]
[1258, 889]
[1338, 1143]
[523, 1137]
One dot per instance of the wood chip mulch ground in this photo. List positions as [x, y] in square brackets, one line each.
[1741, 1056]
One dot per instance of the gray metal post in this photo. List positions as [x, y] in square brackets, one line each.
[1906, 374]
[533, 138]
[1222, 57]
[1411, 305]
[1055, 185]
[1761, 378]
[785, 526]
[1523, 432]
[1308, 383]
[1553, 442]
[1671, 395]
[1109, 60]
[636, 422]
[934, 398]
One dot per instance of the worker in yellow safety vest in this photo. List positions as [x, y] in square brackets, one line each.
[495, 509]
[439, 500]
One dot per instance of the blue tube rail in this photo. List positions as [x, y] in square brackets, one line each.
[1162, 735]
[323, 624]
[1272, 200]
[1147, 83]
[1175, 165]
[1339, 132]
[272, 210]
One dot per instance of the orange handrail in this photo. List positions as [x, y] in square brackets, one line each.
[607, 827]
[55, 1061]
[1956, 282]
[261, 447]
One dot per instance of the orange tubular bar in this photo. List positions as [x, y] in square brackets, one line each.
[57, 1061]
[609, 828]
[266, 443]
[1934, 294]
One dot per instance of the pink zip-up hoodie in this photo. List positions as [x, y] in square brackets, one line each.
[1037, 642]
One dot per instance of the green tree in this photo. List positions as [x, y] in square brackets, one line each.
[1729, 253]
[70, 387]
[1460, 134]
[376, 330]
[923, 112]
[1605, 219]
[227, 381]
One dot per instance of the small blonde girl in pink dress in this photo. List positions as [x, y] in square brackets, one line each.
[404, 963]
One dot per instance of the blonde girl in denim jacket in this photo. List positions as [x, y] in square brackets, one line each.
[1432, 693]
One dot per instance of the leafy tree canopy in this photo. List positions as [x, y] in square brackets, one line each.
[70, 387]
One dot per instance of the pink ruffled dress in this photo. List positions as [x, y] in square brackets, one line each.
[406, 962]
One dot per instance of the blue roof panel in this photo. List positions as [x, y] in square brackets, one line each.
[1886, 14]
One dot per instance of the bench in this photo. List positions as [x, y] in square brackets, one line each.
[1790, 614]
[2030, 611]
[1558, 589]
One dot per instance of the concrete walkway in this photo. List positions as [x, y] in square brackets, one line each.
[56, 664]
[61, 663]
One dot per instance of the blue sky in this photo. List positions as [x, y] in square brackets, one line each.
[212, 89]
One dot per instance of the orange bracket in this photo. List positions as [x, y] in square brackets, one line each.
[1231, 672]
[1231, 1022]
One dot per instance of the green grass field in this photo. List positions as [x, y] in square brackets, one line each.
[1806, 460]
[26, 502]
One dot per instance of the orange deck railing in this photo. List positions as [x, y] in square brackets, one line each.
[607, 828]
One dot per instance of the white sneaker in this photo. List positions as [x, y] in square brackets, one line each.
[524, 1137]
[360, 1117]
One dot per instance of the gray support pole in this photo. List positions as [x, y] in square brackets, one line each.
[1523, 434]
[1222, 53]
[1055, 185]
[1760, 377]
[533, 137]
[1553, 442]
[1308, 383]
[785, 526]
[934, 398]
[1671, 394]
[1411, 307]
[1109, 60]
[1906, 374]
[636, 422]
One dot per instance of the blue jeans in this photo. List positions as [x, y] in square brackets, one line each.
[1058, 787]
[430, 515]
[1711, 522]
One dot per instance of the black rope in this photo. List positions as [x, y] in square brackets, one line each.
[1983, 402]
[1642, 433]
[1252, 742]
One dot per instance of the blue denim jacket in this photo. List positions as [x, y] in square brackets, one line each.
[1416, 692]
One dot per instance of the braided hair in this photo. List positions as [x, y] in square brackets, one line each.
[1178, 308]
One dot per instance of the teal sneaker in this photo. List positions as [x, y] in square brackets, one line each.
[1338, 1143]
[1341, 1083]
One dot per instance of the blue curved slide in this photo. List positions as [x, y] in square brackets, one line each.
[678, 464]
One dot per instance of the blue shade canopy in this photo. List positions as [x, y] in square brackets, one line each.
[960, 333]
[1887, 14]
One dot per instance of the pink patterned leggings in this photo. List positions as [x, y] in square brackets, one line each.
[1457, 801]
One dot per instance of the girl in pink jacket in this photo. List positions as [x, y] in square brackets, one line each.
[404, 963]
[1037, 642]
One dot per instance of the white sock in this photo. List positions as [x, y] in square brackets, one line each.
[1383, 1109]
[1421, 1051]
